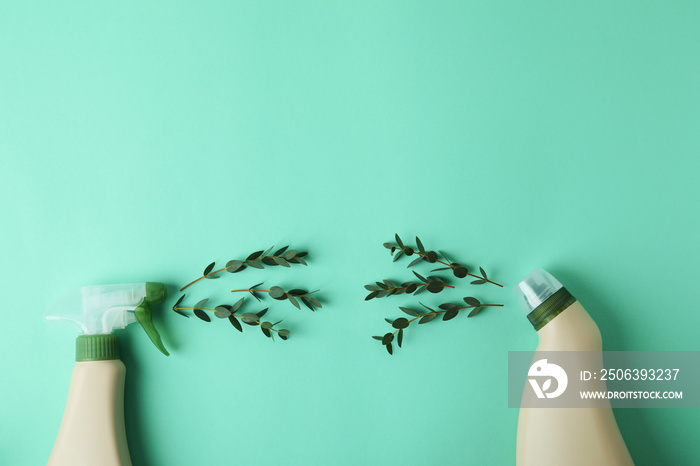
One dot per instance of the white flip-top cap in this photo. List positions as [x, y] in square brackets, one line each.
[534, 289]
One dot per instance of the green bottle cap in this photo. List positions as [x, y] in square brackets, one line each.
[96, 347]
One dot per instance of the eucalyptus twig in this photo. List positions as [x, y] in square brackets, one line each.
[257, 260]
[388, 288]
[459, 270]
[293, 296]
[449, 311]
[224, 311]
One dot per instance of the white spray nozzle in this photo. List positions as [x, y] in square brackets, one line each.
[101, 309]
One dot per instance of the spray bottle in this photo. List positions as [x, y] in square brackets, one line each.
[570, 436]
[92, 430]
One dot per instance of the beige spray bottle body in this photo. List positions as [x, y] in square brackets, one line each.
[565, 436]
[92, 431]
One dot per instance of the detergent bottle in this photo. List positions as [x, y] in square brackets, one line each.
[92, 430]
[564, 436]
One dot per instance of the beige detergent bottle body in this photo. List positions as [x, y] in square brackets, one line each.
[92, 432]
[564, 436]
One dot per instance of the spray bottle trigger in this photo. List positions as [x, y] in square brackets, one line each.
[144, 317]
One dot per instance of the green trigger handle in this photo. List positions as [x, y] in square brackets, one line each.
[155, 294]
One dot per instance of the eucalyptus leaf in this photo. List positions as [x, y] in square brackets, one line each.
[460, 272]
[475, 311]
[281, 261]
[410, 312]
[478, 282]
[222, 312]
[401, 322]
[262, 313]
[291, 253]
[388, 245]
[266, 332]
[435, 287]
[267, 252]
[378, 338]
[421, 249]
[399, 337]
[314, 301]
[427, 318]
[414, 262]
[398, 240]
[420, 290]
[276, 292]
[250, 318]
[183, 314]
[280, 251]
[298, 260]
[387, 338]
[472, 301]
[233, 266]
[397, 255]
[432, 257]
[209, 268]
[179, 301]
[372, 295]
[235, 323]
[411, 288]
[483, 272]
[294, 301]
[267, 325]
[253, 256]
[238, 304]
[283, 332]
[255, 264]
[367, 287]
[420, 277]
[450, 314]
[200, 304]
[202, 315]
[389, 348]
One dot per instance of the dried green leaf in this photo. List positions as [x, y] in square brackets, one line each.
[314, 301]
[254, 255]
[444, 256]
[472, 301]
[281, 261]
[277, 293]
[202, 315]
[235, 323]
[209, 268]
[250, 318]
[255, 264]
[387, 338]
[450, 314]
[410, 312]
[414, 262]
[435, 287]
[179, 301]
[200, 304]
[233, 266]
[183, 314]
[294, 301]
[421, 249]
[401, 322]
[222, 312]
[238, 304]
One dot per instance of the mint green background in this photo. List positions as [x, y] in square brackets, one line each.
[140, 142]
